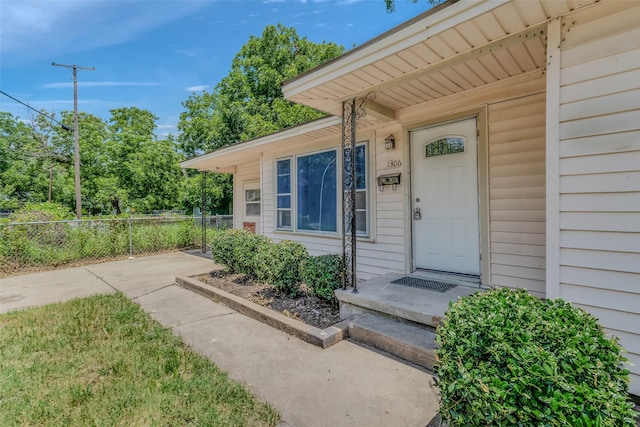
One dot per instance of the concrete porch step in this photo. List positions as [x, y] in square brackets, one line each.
[400, 339]
[380, 296]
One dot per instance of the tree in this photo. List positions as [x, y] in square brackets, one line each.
[391, 4]
[93, 158]
[248, 102]
[27, 159]
[143, 173]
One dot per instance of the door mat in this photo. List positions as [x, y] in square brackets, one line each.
[417, 282]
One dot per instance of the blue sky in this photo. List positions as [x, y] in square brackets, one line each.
[152, 54]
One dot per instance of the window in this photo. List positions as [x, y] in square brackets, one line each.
[284, 194]
[444, 146]
[252, 202]
[362, 195]
[316, 198]
[307, 192]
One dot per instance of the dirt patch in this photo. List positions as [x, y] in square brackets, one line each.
[308, 309]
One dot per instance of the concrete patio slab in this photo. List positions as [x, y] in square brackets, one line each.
[344, 385]
[32, 290]
[172, 306]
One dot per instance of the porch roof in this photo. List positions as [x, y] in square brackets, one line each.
[226, 159]
[457, 46]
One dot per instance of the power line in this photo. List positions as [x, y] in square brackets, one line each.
[62, 125]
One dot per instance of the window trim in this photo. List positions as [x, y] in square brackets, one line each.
[290, 194]
[293, 159]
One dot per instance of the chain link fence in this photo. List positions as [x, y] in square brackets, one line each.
[31, 246]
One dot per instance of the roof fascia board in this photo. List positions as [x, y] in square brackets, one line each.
[263, 140]
[445, 19]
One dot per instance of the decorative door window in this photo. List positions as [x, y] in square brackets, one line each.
[444, 146]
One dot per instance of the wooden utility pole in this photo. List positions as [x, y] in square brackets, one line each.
[76, 143]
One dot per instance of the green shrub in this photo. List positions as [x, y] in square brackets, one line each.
[236, 249]
[46, 211]
[323, 275]
[279, 264]
[506, 358]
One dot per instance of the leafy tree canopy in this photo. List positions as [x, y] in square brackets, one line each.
[391, 4]
[123, 165]
[248, 102]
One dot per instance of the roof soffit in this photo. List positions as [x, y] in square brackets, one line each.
[461, 47]
[436, 23]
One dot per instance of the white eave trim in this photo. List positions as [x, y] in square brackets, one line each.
[312, 126]
[436, 23]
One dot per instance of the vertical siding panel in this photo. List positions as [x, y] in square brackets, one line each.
[516, 192]
[598, 269]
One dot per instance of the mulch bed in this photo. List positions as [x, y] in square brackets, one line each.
[309, 309]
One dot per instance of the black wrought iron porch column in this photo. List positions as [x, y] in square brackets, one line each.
[349, 194]
[203, 210]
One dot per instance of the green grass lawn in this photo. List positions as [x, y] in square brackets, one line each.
[103, 361]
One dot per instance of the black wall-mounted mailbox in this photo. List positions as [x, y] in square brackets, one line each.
[392, 179]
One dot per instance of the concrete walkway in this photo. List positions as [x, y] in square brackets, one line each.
[344, 385]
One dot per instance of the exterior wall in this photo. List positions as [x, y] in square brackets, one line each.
[517, 193]
[515, 159]
[380, 253]
[599, 169]
[244, 173]
[515, 228]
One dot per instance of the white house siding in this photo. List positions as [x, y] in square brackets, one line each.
[599, 169]
[516, 174]
[383, 251]
[244, 173]
[517, 193]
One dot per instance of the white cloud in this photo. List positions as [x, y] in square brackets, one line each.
[166, 126]
[46, 28]
[197, 88]
[97, 84]
[185, 52]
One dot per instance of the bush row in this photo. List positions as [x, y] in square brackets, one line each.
[284, 264]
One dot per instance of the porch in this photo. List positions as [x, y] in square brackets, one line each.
[400, 319]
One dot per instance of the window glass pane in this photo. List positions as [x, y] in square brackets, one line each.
[444, 146]
[253, 209]
[361, 222]
[284, 176]
[361, 200]
[284, 184]
[284, 202]
[284, 219]
[316, 196]
[283, 190]
[252, 195]
[284, 167]
[361, 167]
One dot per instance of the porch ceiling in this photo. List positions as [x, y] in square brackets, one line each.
[455, 48]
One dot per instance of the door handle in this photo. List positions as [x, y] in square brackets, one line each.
[417, 214]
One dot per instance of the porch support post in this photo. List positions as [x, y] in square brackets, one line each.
[203, 215]
[349, 194]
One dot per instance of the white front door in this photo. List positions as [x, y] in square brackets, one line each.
[444, 190]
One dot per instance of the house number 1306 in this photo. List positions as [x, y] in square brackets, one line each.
[394, 164]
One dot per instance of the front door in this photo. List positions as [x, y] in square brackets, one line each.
[444, 190]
